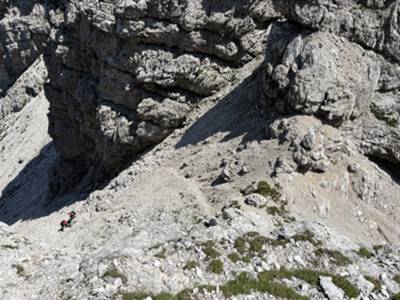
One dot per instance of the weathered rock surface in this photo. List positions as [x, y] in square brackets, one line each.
[114, 60]
[201, 101]
[24, 31]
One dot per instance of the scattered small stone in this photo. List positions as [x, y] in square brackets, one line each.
[211, 223]
[352, 168]
[256, 200]
[250, 189]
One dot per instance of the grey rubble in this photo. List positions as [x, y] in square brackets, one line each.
[151, 118]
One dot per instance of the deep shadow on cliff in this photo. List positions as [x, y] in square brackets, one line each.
[26, 196]
[242, 112]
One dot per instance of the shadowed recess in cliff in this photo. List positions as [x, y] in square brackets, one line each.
[240, 113]
[26, 196]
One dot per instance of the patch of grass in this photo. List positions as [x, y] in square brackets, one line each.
[234, 257]
[306, 236]
[364, 252]
[191, 264]
[235, 204]
[244, 284]
[165, 296]
[277, 242]
[312, 278]
[274, 210]
[251, 234]
[209, 250]
[397, 278]
[114, 273]
[264, 189]
[396, 297]
[185, 294]
[11, 247]
[377, 247]
[216, 266]
[135, 296]
[246, 259]
[266, 282]
[349, 289]
[377, 284]
[338, 258]
[240, 245]
[257, 243]
[162, 253]
[207, 287]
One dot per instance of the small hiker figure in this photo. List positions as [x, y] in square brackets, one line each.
[64, 223]
[72, 215]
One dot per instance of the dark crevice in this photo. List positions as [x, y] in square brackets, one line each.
[390, 168]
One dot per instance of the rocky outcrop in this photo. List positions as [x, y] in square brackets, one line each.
[109, 61]
[340, 64]
[24, 30]
[27, 86]
[322, 74]
[124, 76]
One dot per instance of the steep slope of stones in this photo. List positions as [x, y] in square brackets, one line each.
[145, 234]
[125, 74]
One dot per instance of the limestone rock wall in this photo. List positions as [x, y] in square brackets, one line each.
[24, 31]
[124, 75]
[339, 61]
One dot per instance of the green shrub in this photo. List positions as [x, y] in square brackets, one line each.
[246, 259]
[216, 266]
[364, 252]
[191, 264]
[266, 282]
[257, 243]
[234, 257]
[377, 247]
[338, 258]
[235, 204]
[306, 236]
[274, 211]
[396, 297]
[312, 278]
[349, 289]
[135, 296]
[264, 189]
[209, 250]
[377, 284]
[244, 284]
[240, 245]
[251, 234]
[397, 278]
[114, 273]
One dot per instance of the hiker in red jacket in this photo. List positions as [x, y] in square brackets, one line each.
[72, 215]
[64, 223]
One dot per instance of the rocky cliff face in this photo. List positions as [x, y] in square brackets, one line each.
[260, 141]
[24, 31]
[125, 74]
